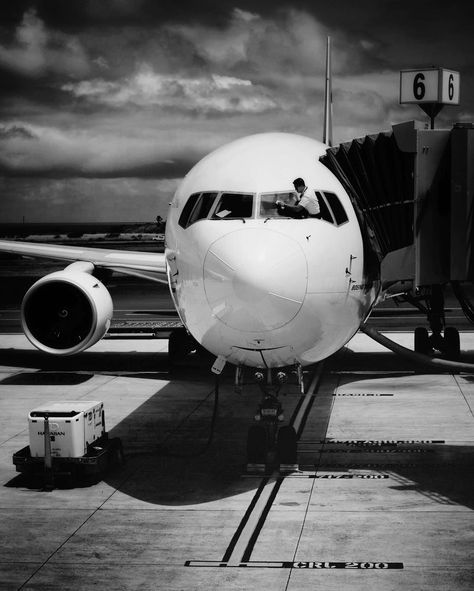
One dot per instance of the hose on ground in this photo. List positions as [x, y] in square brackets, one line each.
[433, 362]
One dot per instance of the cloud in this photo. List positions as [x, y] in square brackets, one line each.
[36, 51]
[15, 131]
[154, 98]
[259, 44]
[33, 150]
[147, 88]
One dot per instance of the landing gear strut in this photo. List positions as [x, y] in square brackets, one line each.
[448, 343]
[268, 443]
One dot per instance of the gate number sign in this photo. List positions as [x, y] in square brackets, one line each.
[433, 85]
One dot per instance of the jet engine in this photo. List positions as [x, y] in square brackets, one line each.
[68, 311]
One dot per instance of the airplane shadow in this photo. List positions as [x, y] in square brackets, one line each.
[165, 439]
[87, 362]
[168, 461]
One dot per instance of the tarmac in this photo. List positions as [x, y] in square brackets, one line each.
[383, 499]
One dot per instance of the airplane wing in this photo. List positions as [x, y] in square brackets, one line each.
[148, 265]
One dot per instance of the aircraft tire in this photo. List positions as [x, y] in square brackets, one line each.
[257, 445]
[287, 445]
[452, 343]
[422, 341]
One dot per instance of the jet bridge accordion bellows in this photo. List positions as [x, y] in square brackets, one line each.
[378, 177]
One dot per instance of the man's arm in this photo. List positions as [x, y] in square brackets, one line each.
[292, 211]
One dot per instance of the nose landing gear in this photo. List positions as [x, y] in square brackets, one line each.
[270, 444]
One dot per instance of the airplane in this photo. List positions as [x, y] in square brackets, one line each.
[253, 287]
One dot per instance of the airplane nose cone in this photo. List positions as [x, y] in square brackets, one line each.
[255, 279]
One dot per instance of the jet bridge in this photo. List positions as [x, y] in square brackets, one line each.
[413, 191]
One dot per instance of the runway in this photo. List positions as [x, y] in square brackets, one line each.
[383, 500]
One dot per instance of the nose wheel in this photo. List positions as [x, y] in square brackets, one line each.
[269, 443]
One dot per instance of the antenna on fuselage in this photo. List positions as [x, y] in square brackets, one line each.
[327, 132]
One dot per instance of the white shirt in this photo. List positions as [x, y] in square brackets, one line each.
[309, 201]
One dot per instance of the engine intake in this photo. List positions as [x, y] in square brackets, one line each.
[66, 312]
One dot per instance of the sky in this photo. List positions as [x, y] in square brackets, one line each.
[106, 104]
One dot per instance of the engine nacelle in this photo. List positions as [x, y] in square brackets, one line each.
[67, 312]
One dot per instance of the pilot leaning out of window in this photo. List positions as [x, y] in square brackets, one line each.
[307, 206]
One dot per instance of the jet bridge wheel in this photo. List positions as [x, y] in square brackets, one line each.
[452, 346]
[422, 341]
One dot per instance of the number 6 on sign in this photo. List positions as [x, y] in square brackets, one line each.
[433, 85]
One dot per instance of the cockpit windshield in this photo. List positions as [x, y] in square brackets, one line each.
[217, 205]
[233, 205]
[330, 207]
[268, 207]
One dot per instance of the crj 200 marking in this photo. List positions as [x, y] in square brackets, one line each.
[313, 565]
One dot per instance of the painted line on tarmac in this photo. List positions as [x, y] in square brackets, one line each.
[360, 394]
[349, 476]
[364, 450]
[246, 535]
[311, 565]
[233, 543]
[244, 539]
[238, 553]
[311, 474]
[373, 442]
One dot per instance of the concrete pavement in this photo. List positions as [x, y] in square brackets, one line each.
[384, 500]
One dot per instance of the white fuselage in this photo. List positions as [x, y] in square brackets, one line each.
[264, 290]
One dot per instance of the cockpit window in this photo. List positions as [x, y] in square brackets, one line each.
[187, 209]
[233, 205]
[331, 209]
[202, 208]
[324, 210]
[337, 208]
[268, 208]
[197, 208]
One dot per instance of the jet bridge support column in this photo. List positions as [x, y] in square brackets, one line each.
[434, 230]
